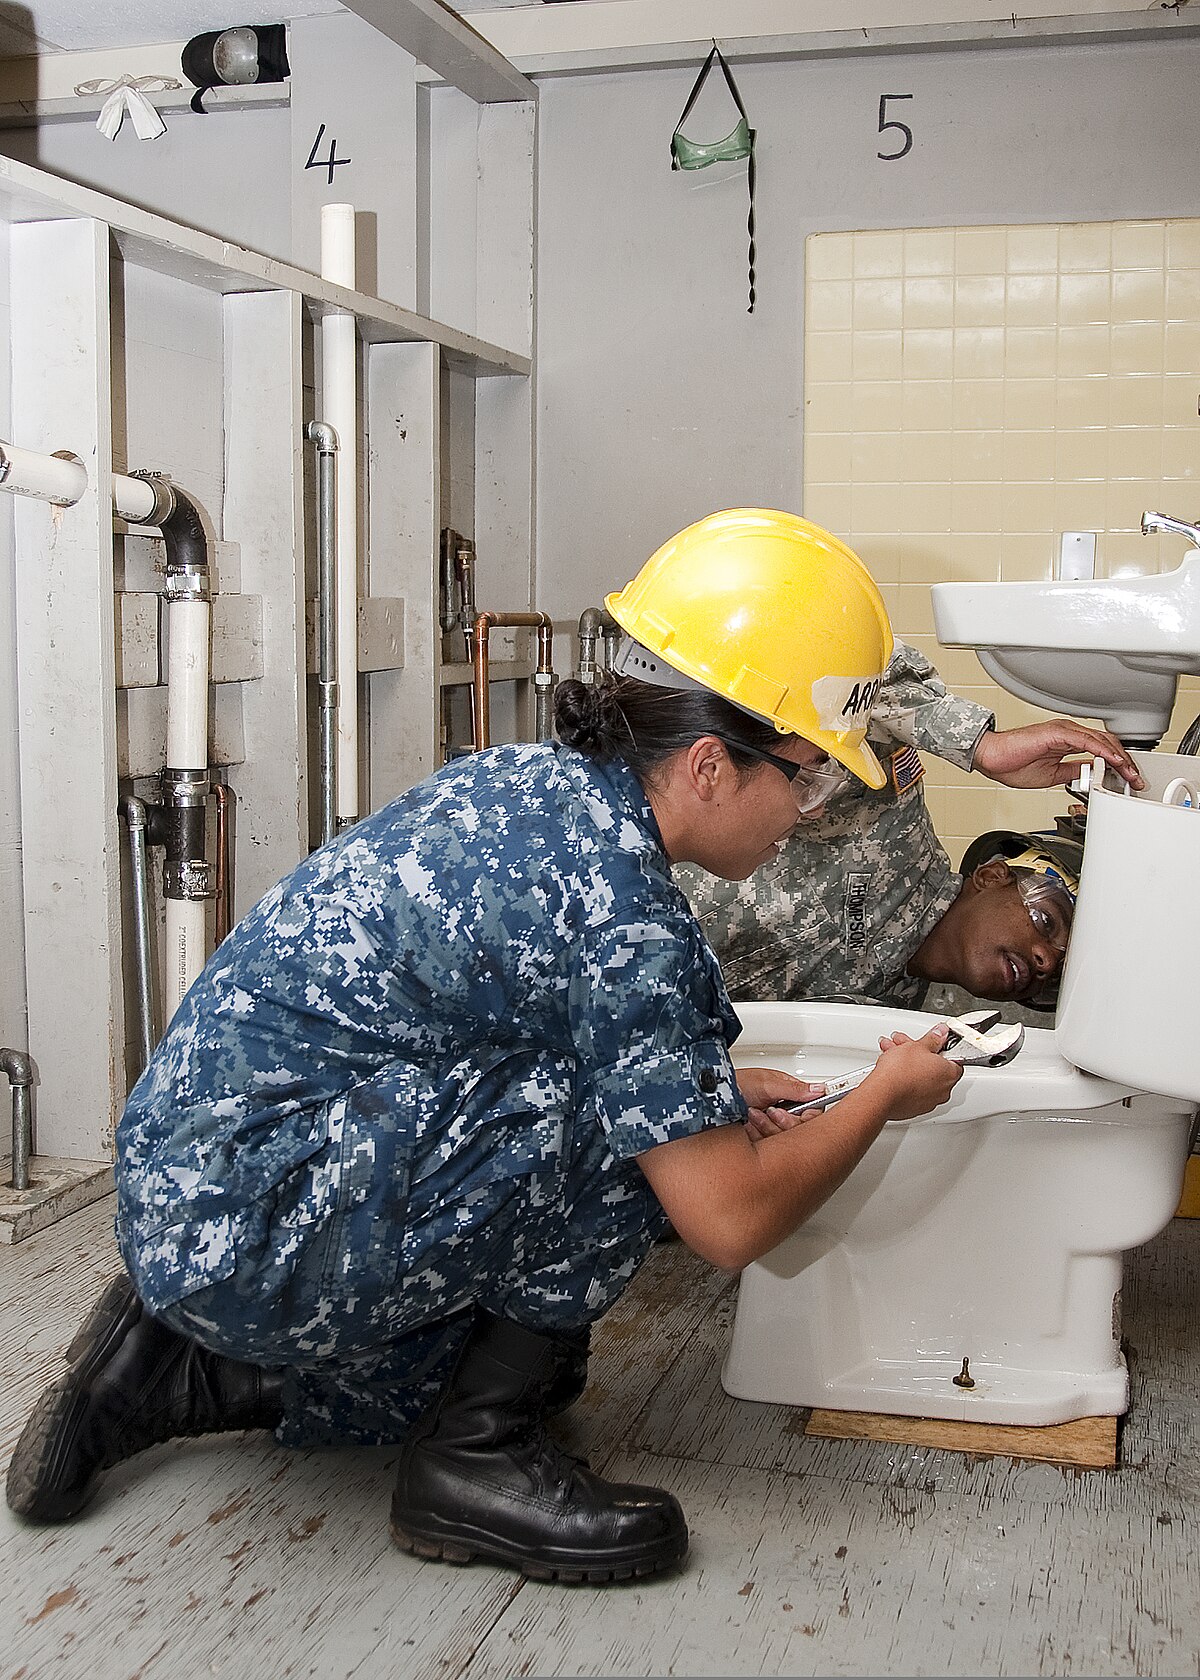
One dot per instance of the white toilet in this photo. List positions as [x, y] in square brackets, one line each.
[990, 1231]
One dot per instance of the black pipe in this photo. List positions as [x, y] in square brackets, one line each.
[183, 533]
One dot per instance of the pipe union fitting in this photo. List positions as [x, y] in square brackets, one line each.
[164, 496]
[185, 787]
[187, 878]
[186, 583]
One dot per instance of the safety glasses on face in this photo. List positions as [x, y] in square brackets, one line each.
[1048, 909]
[813, 785]
[1051, 911]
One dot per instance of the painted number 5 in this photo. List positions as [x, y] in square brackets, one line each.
[885, 124]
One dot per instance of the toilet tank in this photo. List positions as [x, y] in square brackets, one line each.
[1129, 1007]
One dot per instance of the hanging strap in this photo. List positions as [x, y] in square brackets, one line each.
[697, 160]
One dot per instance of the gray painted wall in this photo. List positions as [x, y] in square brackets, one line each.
[659, 397]
[242, 174]
[225, 173]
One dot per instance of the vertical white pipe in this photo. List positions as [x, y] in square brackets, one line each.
[188, 631]
[187, 684]
[185, 950]
[339, 407]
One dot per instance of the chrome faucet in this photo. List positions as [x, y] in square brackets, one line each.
[1164, 522]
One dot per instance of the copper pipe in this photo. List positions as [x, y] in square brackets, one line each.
[226, 800]
[481, 714]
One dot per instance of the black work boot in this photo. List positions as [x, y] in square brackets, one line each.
[132, 1382]
[481, 1478]
[570, 1375]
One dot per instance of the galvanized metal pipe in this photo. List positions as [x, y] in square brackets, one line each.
[134, 812]
[610, 633]
[19, 1068]
[326, 440]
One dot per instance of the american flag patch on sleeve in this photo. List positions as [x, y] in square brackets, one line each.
[906, 769]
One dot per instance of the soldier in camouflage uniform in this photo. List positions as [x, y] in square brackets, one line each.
[418, 1122]
[422, 1116]
[854, 904]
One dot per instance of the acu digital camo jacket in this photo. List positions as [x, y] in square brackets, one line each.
[851, 895]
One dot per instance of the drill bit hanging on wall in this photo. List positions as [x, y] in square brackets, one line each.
[738, 143]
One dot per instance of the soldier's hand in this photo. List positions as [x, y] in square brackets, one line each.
[1043, 755]
[910, 1076]
[763, 1089]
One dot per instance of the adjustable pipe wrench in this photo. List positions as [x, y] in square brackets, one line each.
[978, 1039]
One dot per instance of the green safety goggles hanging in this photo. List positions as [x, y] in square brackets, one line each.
[738, 143]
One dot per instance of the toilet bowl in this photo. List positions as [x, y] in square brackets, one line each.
[991, 1230]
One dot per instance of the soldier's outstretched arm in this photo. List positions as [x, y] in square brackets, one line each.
[733, 1197]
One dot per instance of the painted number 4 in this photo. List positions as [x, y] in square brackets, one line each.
[331, 162]
[903, 128]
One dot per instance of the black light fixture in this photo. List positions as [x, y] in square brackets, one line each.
[235, 58]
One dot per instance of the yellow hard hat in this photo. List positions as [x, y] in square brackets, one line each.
[774, 614]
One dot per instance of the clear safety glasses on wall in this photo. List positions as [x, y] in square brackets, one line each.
[813, 785]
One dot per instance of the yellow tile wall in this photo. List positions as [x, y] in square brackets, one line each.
[970, 394]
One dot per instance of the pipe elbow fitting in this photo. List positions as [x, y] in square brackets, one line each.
[184, 536]
[18, 1065]
[133, 810]
[323, 435]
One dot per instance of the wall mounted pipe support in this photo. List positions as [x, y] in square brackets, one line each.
[19, 1067]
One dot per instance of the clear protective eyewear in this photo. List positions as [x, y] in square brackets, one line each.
[1048, 907]
[813, 785]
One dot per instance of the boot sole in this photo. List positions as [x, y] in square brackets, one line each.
[33, 1462]
[466, 1549]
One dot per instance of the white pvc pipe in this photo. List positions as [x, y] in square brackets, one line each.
[188, 662]
[62, 481]
[185, 950]
[339, 408]
[187, 684]
[133, 499]
[53, 478]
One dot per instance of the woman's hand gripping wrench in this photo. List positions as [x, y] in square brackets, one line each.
[978, 1039]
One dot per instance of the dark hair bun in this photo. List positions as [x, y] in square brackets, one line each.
[587, 717]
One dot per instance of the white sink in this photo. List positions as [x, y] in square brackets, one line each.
[1111, 649]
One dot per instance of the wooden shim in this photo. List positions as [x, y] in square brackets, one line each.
[1189, 1199]
[1089, 1443]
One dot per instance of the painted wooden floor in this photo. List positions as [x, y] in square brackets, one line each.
[235, 1557]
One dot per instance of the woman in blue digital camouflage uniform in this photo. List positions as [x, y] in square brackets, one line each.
[430, 1103]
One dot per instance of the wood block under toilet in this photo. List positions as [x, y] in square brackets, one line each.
[1085, 1443]
[1189, 1200]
